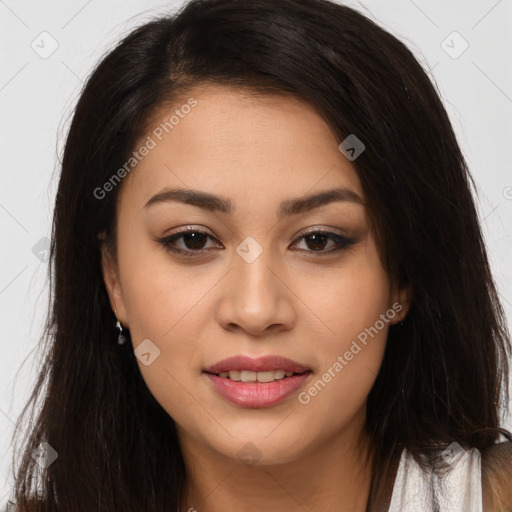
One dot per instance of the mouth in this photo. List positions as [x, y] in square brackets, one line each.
[262, 376]
[262, 382]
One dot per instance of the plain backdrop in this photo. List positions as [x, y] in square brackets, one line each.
[48, 50]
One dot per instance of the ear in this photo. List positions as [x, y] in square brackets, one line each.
[401, 298]
[110, 271]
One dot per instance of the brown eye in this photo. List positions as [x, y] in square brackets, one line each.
[317, 241]
[186, 242]
[192, 242]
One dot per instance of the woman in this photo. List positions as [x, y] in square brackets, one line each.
[264, 203]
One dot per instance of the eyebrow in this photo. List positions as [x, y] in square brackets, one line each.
[288, 207]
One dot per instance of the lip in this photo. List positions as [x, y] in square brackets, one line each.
[257, 394]
[260, 364]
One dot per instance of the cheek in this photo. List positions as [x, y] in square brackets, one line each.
[345, 301]
[350, 361]
[166, 304]
[158, 294]
[351, 338]
[164, 308]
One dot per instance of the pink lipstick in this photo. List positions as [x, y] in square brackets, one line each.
[261, 382]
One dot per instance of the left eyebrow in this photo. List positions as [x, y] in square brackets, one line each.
[288, 207]
[308, 203]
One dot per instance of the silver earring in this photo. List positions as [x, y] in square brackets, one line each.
[121, 338]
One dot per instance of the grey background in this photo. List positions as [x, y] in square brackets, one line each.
[38, 91]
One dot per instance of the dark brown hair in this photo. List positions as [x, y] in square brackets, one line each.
[444, 371]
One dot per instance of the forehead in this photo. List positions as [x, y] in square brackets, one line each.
[244, 144]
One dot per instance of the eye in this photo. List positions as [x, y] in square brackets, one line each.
[192, 242]
[317, 241]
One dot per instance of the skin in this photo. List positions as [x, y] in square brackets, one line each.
[290, 301]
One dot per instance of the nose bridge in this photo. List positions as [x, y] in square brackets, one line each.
[256, 297]
[255, 282]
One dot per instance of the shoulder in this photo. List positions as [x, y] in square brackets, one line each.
[497, 478]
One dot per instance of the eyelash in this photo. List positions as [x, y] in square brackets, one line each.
[343, 242]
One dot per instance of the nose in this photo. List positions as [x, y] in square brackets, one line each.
[256, 297]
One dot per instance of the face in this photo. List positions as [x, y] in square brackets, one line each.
[221, 254]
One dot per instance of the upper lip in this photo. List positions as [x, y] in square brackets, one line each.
[260, 364]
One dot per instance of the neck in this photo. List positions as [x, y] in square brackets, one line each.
[331, 476]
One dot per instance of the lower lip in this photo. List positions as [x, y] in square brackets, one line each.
[257, 394]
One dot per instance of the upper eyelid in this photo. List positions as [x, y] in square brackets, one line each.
[305, 231]
[311, 230]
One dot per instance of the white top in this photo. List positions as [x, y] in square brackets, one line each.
[458, 490]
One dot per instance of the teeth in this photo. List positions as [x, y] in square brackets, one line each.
[248, 376]
[279, 374]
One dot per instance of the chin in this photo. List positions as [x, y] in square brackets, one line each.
[262, 449]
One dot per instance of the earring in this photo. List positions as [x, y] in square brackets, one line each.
[121, 338]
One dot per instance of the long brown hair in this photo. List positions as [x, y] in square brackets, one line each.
[444, 371]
